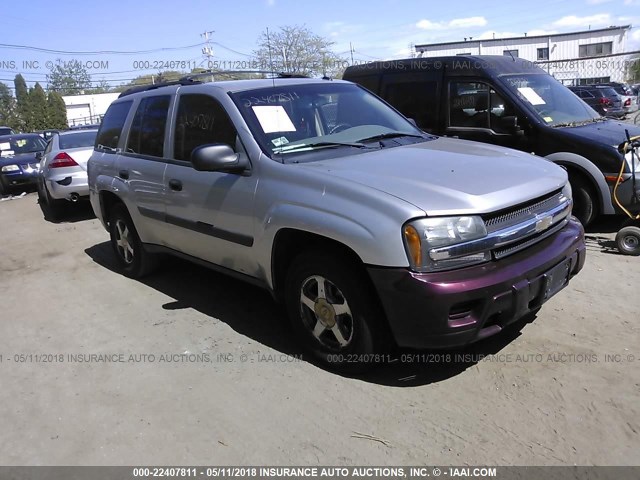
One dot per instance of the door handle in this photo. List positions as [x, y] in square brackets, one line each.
[124, 174]
[175, 185]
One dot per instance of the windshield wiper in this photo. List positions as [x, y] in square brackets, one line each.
[382, 136]
[300, 146]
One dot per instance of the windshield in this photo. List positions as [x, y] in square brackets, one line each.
[78, 140]
[554, 103]
[301, 118]
[19, 145]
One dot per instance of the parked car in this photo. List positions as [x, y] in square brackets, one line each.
[516, 104]
[89, 126]
[47, 134]
[18, 163]
[604, 100]
[628, 98]
[6, 131]
[63, 169]
[368, 229]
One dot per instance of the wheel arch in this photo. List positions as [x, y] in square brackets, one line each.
[108, 200]
[579, 165]
[290, 242]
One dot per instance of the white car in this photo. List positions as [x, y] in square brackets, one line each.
[63, 169]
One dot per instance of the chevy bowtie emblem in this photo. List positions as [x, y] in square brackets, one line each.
[543, 223]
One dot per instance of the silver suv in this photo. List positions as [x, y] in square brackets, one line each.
[373, 233]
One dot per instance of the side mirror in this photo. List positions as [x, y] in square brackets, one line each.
[217, 157]
[38, 155]
[510, 124]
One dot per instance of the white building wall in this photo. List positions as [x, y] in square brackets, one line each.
[85, 109]
[564, 62]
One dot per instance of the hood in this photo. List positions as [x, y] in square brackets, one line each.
[609, 132]
[450, 176]
[19, 159]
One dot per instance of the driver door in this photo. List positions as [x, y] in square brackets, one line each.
[476, 111]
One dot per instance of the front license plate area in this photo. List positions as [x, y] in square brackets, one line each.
[556, 279]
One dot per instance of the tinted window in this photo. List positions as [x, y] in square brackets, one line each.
[146, 136]
[370, 82]
[111, 128]
[77, 140]
[477, 105]
[415, 97]
[201, 120]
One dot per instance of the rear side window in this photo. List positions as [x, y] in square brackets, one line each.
[201, 120]
[111, 127]
[415, 96]
[370, 82]
[146, 136]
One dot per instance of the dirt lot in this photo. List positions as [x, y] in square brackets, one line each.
[564, 390]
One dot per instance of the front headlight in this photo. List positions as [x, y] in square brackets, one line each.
[426, 241]
[10, 168]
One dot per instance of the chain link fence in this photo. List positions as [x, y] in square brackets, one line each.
[620, 67]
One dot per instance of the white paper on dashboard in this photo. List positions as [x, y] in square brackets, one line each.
[531, 95]
[273, 118]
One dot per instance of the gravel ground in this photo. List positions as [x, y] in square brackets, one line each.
[561, 390]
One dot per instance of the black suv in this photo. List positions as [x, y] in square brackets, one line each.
[514, 103]
[604, 100]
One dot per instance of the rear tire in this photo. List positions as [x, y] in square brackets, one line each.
[335, 312]
[53, 208]
[134, 261]
[628, 240]
[585, 206]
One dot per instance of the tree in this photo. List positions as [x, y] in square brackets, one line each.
[20, 88]
[8, 109]
[57, 112]
[68, 77]
[37, 115]
[296, 49]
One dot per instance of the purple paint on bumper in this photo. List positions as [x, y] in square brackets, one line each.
[446, 309]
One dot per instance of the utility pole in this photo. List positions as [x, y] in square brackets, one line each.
[351, 50]
[207, 50]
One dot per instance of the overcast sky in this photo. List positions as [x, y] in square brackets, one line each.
[376, 29]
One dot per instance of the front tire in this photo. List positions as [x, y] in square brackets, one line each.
[628, 240]
[584, 200]
[334, 312]
[134, 261]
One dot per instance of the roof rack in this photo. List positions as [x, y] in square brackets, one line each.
[208, 73]
[144, 88]
[192, 79]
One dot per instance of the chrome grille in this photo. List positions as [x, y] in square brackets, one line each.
[499, 253]
[506, 219]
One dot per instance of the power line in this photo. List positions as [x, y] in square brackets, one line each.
[98, 52]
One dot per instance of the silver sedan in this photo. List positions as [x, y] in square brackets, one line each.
[63, 169]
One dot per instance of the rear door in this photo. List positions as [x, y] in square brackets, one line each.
[142, 164]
